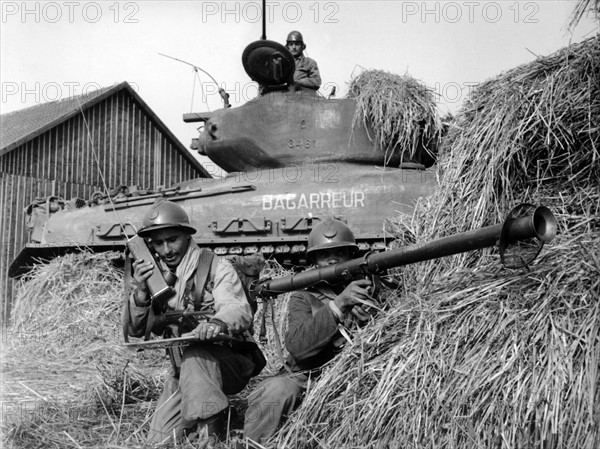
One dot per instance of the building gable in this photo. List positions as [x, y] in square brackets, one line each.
[20, 127]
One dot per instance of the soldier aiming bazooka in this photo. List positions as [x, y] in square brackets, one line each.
[338, 296]
[320, 319]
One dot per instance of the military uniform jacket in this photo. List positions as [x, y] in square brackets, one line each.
[223, 300]
[312, 336]
[307, 73]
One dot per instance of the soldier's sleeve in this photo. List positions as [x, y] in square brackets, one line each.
[231, 305]
[308, 333]
[138, 316]
[315, 75]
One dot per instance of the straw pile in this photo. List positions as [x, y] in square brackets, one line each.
[472, 354]
[67, 381]
[400, 110]
[530, 134]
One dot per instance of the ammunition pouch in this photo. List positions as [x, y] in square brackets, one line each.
[250, 349]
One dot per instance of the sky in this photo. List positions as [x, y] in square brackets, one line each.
[52, 50]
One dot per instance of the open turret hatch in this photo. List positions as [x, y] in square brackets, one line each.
[269, 63]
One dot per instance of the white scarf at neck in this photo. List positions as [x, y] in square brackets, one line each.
[185, 270]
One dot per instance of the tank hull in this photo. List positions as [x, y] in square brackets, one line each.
[268, 210]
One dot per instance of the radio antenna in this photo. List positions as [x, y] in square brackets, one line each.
[264, 21]
[224, 95]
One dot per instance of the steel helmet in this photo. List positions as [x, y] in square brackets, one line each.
[295, 36]
[165, 214]
[330, 233]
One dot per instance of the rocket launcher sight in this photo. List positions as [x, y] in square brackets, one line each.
[520, 239]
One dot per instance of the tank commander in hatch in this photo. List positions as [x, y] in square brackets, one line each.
[307, 72]
[194, 396]
[320, 321]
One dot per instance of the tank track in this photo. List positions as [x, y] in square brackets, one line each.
[294, 254]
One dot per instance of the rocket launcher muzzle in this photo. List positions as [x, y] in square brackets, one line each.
[520, 239]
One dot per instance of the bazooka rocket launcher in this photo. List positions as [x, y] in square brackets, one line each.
[520, 239]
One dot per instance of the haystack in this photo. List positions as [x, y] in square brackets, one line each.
[471, 354]
[67, 381]
[400, 110]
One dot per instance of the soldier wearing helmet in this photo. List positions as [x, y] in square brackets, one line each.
[307, 72]
[318, 322]
[194, 397]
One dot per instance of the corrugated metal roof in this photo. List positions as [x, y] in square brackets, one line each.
[19, 127]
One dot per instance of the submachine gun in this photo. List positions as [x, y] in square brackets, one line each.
[520, 239]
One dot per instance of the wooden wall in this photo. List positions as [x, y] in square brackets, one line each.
[114, 142]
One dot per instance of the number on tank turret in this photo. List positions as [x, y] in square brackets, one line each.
[300, 144]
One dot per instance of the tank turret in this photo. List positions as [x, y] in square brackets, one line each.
[287, 126]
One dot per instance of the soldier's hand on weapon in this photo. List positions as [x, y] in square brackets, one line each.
[362, 313]
[205, 331]
[357, 292]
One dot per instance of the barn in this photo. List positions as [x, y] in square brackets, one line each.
[77, 146]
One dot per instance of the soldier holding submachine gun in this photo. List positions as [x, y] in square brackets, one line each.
[206, 300]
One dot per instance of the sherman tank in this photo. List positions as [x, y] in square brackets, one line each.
[292, 157]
